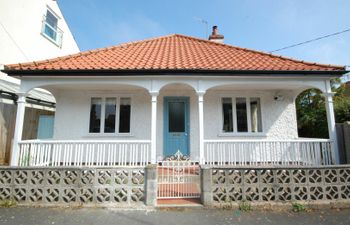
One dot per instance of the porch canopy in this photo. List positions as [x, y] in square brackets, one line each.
[178, 64]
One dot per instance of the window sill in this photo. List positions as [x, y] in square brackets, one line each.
[246, 134]
[109, 135]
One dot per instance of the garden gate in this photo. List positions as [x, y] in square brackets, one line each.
[178, 177]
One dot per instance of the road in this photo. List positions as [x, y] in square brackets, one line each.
[99, 216]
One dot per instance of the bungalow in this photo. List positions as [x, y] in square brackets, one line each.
[174, 97]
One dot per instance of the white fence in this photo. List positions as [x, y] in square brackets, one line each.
[267, 152]
[84, 153]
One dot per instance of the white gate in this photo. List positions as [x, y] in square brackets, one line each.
[178, 178]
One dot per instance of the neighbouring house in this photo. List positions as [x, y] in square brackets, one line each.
[29, 31]
[174, 96]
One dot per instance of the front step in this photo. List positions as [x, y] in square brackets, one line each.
[179, 202]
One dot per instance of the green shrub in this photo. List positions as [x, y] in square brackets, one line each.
[311, 110]
[298, 207]
[245, 206]
[8, 203]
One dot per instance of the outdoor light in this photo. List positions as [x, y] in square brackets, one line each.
[278, 97]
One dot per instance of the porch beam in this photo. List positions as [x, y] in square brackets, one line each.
[21, 105]
[331, 119]
[154, 127]
[201, 125]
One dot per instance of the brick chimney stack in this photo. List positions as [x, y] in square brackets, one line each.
[215, 36]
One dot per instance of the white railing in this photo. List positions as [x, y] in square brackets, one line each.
[304, 152]
[84, 153]
[54, 34]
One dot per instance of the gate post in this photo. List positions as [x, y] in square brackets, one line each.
[151, 185]
[346, 130]
[206, 182]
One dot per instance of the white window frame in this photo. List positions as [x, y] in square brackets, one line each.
[103, 110]
[234, 115]
[58, 31]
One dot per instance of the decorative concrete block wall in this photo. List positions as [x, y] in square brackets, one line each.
[276, 184]
[73, 186]
[129, 186]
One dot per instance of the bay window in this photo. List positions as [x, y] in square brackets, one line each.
[110, 115]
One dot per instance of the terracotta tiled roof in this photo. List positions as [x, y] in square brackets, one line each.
[174, 52]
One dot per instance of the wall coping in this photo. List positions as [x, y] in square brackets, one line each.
[347, 166]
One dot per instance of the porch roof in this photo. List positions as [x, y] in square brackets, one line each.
[172, 54]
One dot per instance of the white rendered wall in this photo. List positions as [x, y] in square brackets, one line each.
[20, 32]
[73, 110]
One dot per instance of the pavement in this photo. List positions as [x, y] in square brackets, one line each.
[104, 216]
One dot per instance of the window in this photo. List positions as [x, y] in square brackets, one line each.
[241, 109]
[241, 115]
[124, 115]
[227, 115]
[107, 114]
[50, 28]
[255, 114]
[95, 115]
[176, 117]
[110, 110]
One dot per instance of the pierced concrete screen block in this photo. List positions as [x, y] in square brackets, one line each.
[280, 185]
[73, 186]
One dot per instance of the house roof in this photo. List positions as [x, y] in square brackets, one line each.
[173, 53]
[10, 88]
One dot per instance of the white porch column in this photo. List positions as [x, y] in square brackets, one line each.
[331, 119]
[201, 126]
[21, 105]
[154, 128]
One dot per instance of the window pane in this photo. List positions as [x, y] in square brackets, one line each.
[227, 115]
[176, 117]
[51, 19]
[50, 25]
[110, 115]
[255, 112]
[241, 109]
[95, 115]
[124, 115]
[50, 32]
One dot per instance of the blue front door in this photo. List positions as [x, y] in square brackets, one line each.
[176, 125]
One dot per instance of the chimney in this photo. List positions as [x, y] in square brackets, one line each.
[215, 36]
